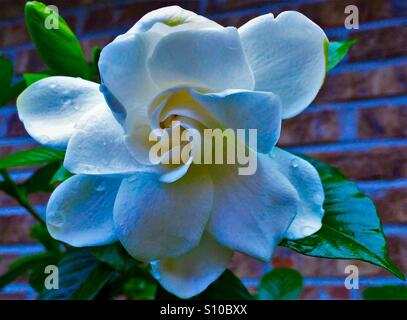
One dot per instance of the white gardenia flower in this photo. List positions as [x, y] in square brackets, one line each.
[187, 219]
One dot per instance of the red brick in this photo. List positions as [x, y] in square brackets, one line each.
[15, 127]
[8, 149]
[311, 127]
[88, 45]
[15, 8]
[12, 35]
[391, 205]
[398, 251]
[5, 261]
[13, 296]
[380, 82]
[246, 267]
[319, 267]
[38, 198]
[380, 163]
[125, 16]
[325, 13]
[28, 61]
[16, 229]
[382, 122]
[309, 293]
[379, 43]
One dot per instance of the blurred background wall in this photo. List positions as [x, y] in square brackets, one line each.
[358, 122]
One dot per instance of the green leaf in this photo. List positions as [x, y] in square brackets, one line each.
[40, 181]
[95, 60]
[60, 175]
[140, 288]
[23, 265]
[351, 228]
[386, 293]
[280, 284]
[6, 75]
[31, 157]
[81, 277]
[226, 287]
[41, 234]
[337, 50]
[58, 47]
[13, 92]
[31, 78]
[115, 256]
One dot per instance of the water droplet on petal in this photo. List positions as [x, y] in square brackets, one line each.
[52, 86]
[101, 186]
[44, 139]
[57, 220]
[132, 178]
[294, 163]
[318, 198]
[154, 269]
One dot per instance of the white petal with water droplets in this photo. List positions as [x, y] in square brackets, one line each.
[80, 211]
[51, 107]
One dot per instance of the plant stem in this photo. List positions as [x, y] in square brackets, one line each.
[19, 194]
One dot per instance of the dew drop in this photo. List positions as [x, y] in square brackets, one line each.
[57, 220]
[132, 178]
[44, 139]
[101, 187]
[318, 198]
[294, 163]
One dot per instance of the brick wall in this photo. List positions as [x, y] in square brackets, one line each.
[357, 123]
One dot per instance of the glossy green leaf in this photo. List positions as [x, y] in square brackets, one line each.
[95, 60]
[24, 265]
[386, 293]
[40, 181]
[226, 287]
[60, 175]
[337, 50]
[31, 78]
[55, 41]
[115, 256]
[140, 288]
[40, 233]
[6, 75]
[13, 92]
[351, 228]
[280, 284]
[31, 157]
[81, 277]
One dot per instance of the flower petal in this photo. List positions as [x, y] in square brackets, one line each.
[238, 109]
[156, 220]
[192, 272]
[123, 63]
[172, 17]
[51, 107]
[124, 73]
[305, 179]
[207, 58]
[251, 213]
[98, 146]
[288, 57]
[80, 211]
